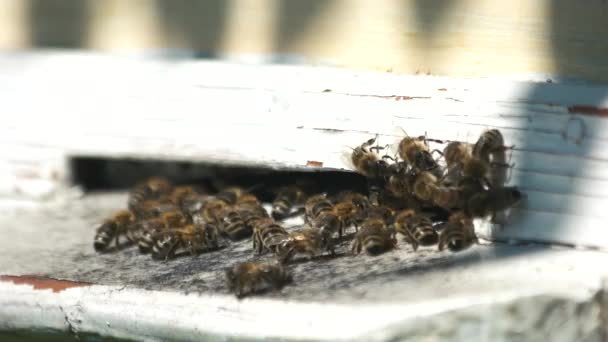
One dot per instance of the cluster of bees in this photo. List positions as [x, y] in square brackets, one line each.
[428, 201]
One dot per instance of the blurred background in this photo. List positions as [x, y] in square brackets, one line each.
[452, 37]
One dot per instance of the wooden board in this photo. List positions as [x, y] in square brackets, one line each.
[60, 105]
[455, 38]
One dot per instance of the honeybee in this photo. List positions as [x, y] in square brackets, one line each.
[286, 199]
[490, 142]
[212, 211]
[417, 228]
[146, 231]
[492, 201]
[112, 229]
[360, 201]
[458, 233]
[448, 197]
[415, 152]
[374, 237]
[152, 188]
[250, 277]
[194, 239]
[425, 186]
[367, 162]
[382, 212]
[400, 181]
[230, 195]
[181, 194]
[308, 241]
[403, 224]
[237, 222]
[315, 205]
[267, 235]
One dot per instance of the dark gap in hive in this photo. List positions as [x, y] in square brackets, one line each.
[103, 174]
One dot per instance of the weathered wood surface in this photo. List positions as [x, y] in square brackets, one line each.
[57, 105]
[51, 278]
[457, 38]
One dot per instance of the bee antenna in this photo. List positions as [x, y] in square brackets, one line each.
[404, 132]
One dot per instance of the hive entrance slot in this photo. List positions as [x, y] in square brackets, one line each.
[102, 174]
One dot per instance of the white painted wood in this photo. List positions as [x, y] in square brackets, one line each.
[57, 105]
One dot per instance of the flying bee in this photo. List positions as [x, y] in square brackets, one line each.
[492, 201]
[458, 233]
[194, 239]
[267, 235]
[308, 241]
[287, 198]
[250, 277]
[425, 186]
[417, 228]
[151, 189]
[374, 237]
[112, 229]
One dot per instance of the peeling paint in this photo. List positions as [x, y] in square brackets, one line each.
[588, 110]
[43, 283]
[314, 163]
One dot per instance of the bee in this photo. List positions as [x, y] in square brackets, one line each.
[193, 238]
[489, 143]
[425, 186]
[237, 222]
[458, 233]
[286, 199]
[374, 237]
[230, 195]
[180, 195]
[212, 211]
[146, 231]
[315, 205]
[492, 201]
[403, 222]
[367, 162]
[359, 200]
[400, 181]
[267, 235]
[415, 152]
[112, 229]
[417, 228]
[448, 197]
[382, 212]
[308, 241]
[151, 189]
[250, 277]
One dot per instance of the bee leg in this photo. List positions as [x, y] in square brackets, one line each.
[356, 248]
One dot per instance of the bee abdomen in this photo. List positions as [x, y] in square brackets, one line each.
[163, 247]
[104, 235]
[374, 244]
[425, 234]
[281, 208]
[234, 226]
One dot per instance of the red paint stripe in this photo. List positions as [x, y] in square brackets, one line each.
[43, 283]
[588, 110]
